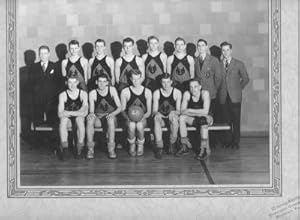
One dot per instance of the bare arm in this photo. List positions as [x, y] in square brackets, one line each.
[89, 71]
[117, 70]
[92, 98]
[201, 112]
[111, 65]
[141, 66]
[163, 58]
[148, 95]
[185, 99]
[83, 111]
[192, 66]
[178, 98]
[116, 98]
[63, 67]
[61, 105]
[124, 100]
[169, 64]
[155, 101]
[84, 64]
[144, 57]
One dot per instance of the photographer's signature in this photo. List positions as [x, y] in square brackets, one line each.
[285, 208]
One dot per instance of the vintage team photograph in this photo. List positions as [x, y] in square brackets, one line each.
[153, 95]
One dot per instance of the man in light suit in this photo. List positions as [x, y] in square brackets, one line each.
[235, 78]
[208, 71]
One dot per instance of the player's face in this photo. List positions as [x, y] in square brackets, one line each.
[153, 45]
[72, 83]
[180, 46]
[166, 83]
[136, 80]
[74, 49]
[128, 47]
[100, 47]
[102, 83]
[226, 51]
[202, 47]
[195, 88]
[44, 55]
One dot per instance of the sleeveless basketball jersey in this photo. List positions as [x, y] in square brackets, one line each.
[125, 68]
[153, 66]
[73, 104]
[72, 67]
[104, 104]
[196, 105]
[100, 67]
[166, 104]
[180, 69]
[137, 100]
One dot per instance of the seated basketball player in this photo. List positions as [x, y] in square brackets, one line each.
[75, 63]
[166, 110]
[181, 66]
[104, 104]
[126, 63]
[136, 95]
[73, 106]
[194, 111]
[155, 64]
[100, 64]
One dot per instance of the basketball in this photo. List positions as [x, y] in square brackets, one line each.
[135, 113]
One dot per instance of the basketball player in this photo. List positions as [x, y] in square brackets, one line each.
[126, 63]
[194, 111]
[180, 66]
[155, 64]
[166, 110]
[99, 64]
[104, 104]
[136, 95]
[75, 63]
[73, 105]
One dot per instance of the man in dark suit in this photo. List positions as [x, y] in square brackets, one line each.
[208, 71]
[44, 88]
[235, 78]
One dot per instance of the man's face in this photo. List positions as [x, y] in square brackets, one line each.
[153, 44]
[136, 80]
[100, 47]
[74, 49]
[202, 47]
[226, 51]
[166, 83]
[128, 47]
[180, 46]
[102, 83]
[195, 88]
[44, 55]
[72, 83]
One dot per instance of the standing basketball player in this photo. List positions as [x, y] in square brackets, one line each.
[194, 111]
[155, 64]
[76, 64]
[99, 64]
[181, 66]
[166, 110]
[73, 105]
[126, 63]
[136, 95]
[104, 105]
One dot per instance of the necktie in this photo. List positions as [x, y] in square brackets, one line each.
[44, 67]
[226, 65]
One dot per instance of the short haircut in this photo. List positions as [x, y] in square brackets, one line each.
[74, 42]
[194, 80]
[164, 76]
[128, 39]
[135, 72]
[179, 39]
[100, 41]
[151, 38]
[202, 40]
[102, 75]
[44, 47]
[225, 43]
[72, 75]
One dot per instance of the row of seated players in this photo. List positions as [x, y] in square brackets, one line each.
[167, 108]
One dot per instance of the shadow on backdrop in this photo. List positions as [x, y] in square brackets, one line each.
[26, 92]
[87, 50]
[116, 49]
[61, 50]
[216, 51]
[142, 46]
[169, 48]
[191, 49]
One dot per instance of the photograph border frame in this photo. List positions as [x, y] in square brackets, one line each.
[13, 154]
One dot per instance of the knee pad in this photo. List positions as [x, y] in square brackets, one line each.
[140, 142]
[131, 141]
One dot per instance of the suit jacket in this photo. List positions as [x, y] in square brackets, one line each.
[210, 75]
[234, 81]
[44, 84]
